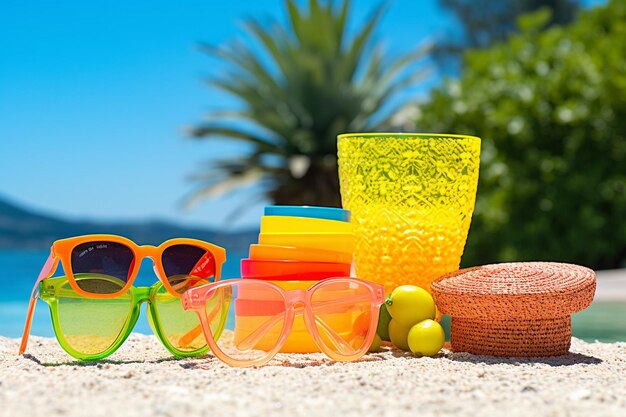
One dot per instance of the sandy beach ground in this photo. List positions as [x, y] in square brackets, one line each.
[142, 379]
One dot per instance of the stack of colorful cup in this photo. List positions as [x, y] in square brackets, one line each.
[298, 247]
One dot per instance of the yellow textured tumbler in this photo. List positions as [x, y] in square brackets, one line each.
[411, 197]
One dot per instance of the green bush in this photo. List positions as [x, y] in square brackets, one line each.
[550, 106]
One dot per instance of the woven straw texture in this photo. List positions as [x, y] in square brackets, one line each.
[514, 309]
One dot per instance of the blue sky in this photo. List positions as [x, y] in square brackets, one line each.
[94, 97]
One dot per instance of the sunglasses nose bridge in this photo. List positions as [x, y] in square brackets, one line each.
[148, 251]
[151, 252]
[142, 295]
[295, 297]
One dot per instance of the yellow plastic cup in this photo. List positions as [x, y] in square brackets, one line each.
[287, 224]
[293, 253]
[411, 198]
[338, 242]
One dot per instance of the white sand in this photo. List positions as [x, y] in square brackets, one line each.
[141, 379]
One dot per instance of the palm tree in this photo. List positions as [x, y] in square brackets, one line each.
[309, 82]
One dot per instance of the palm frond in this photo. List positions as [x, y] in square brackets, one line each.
[353, 58]
[213, 130]
[298, 85]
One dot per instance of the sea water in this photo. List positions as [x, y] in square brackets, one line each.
[603, 321]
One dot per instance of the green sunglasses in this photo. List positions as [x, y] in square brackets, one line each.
[94, 328]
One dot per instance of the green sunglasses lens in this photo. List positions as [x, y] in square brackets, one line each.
[180, 328]
[92, 326]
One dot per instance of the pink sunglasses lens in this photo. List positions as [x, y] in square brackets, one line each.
[343, 316]
[256, 313]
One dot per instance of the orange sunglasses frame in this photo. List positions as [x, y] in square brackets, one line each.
[61, 251]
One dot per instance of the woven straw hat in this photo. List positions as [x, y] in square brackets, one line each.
[514, 309]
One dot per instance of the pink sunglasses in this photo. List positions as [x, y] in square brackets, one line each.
[341, 315]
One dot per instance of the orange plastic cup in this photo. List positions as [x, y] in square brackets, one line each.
[293, 253]
[283, 270]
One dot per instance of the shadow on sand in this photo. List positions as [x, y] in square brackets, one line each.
[101, 362]
[566, 360]
[305, 361]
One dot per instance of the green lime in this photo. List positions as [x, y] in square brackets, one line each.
[383, 323]
[426, 338]
[375, 347]
[398, 335]
[409, 305]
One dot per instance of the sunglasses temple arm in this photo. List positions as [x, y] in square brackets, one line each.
[339, 342]
[47, 270]
[342, 346]
[190, 336]
[255, 337]
[198, 274]
[329, 307]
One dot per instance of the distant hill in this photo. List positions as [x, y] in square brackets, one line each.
[21, 228]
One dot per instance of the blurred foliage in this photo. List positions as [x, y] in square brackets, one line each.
[551, 109]
[299, 84]
[483, 23]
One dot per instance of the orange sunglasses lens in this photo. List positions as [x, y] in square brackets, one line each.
[187, 266]
[112, 261]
